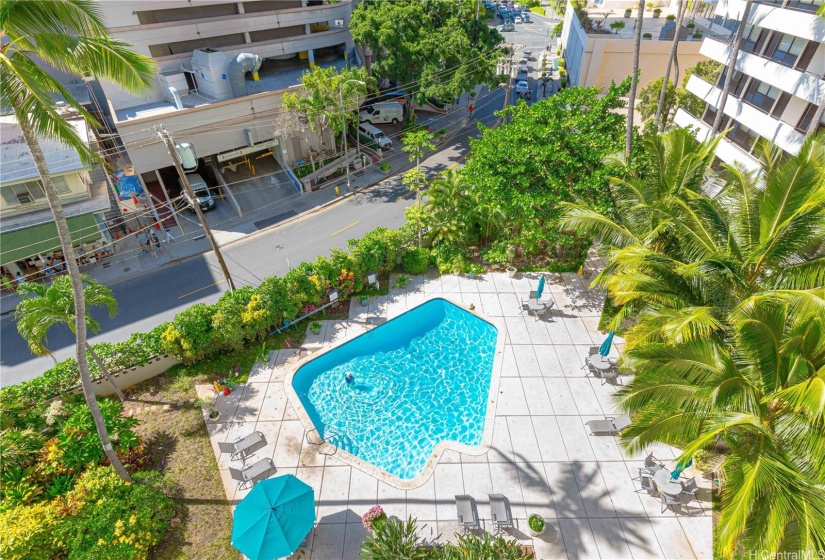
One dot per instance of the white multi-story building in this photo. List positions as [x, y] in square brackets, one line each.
[778, 82]
[222, 69]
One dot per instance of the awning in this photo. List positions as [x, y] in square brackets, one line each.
[24, 243]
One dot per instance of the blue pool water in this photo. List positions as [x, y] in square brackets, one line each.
[419, 379]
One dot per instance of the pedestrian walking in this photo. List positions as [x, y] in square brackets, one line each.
[143, 239]
[154, 244]
[470, 109]
[167, 236]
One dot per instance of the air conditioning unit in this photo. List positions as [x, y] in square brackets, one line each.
[175, 79]
[24, 198]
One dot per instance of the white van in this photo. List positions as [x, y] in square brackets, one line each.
[375, 135]
[380, 113]
[201, 191]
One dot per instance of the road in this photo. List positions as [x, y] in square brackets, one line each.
[155, 297]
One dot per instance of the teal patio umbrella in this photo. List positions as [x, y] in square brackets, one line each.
[604, 349]
[540, 289]
[273, 519]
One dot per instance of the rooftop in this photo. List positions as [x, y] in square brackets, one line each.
[603, 17]
[284, 75]
[540, 455]
[16, 160]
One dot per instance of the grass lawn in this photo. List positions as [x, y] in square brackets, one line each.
[179, 447]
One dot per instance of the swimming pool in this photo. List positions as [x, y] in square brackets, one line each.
[418, 380]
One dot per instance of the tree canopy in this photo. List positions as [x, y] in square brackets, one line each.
[549, 152]
[434, 48]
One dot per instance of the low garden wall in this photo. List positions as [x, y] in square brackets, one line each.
[125, 378]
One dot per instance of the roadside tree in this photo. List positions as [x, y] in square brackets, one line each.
[70, 36]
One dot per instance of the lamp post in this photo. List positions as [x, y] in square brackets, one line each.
[344, 124]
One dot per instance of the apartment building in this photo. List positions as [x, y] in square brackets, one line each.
[29, 235]
[222, 69]
[778, 80]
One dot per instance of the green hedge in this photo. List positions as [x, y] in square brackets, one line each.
[242, 316]
[537, 10]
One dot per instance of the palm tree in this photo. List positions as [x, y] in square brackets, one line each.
[71, 36]
[415, 144]
[755, 396]
[634, 83]
[645, 206]
[660, 120]
[450, 209]
[737, 42]
[43, 306]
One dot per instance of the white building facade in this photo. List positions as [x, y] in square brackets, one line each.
[778, 80]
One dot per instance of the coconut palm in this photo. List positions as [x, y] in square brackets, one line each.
[646, 204]
[634, 84]
[71, 36]
[44, 305]
[416, 144]
[661, 117]
[755, 397]
[737, 42]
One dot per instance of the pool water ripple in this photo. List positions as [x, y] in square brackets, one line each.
[419, 379]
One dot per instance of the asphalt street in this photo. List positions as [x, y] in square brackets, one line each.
[154, 297]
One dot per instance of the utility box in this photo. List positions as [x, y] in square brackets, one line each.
[175, 79]
[211, 68]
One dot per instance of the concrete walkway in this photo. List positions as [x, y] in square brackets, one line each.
[541, 456]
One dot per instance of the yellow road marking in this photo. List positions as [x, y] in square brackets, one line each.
[199, 289]
[343, 228]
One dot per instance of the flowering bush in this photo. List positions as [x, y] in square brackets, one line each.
[374, 514]
[346, 283]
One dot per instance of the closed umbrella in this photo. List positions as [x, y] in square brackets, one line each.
[675, 474]
[540, 289]
[273, 519]
[604, 349]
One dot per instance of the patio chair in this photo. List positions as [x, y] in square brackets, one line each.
[249, 476]
[646, 481]
[243, 447]
[500, 512]
[608, 426]
[467, 512]
[688, 494]
[669, 502]
[610, 376]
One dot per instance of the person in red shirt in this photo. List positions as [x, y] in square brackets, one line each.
[470, 109]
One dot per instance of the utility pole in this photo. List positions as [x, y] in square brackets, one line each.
[508, 70]
[173, 153]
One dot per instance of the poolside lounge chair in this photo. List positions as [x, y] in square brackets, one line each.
[249, 476]
[467, 512]
[608, 426]
[243, 447]
[500, 512]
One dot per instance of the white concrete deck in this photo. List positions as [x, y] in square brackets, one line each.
[542, 457]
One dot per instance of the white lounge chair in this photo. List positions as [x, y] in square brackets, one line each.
[467, 512]
[500, 512]
[249, 476]
[608, 426]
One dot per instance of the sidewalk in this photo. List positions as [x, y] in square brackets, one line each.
[130, 261]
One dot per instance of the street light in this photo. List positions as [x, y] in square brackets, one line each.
[344, 123]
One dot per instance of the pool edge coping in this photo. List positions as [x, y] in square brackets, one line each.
[445, 445]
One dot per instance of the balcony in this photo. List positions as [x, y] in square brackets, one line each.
[798, 23]
[159, 33]
[727, 151]
[783, 135]
[800, 84]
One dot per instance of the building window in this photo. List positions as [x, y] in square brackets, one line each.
[804, 5]
[31, 191]
[762, 95]
[743, 137]
[785, 49]
[805, 122]
[753, 38]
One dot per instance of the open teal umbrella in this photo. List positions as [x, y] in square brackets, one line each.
[540, 289]
[273, 519]
[604, 349]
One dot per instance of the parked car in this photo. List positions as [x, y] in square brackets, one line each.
[375, 135]
[528, 54]
[506, 27]
[519, 20]
[203, 196]
[523, 89]
[522, 67]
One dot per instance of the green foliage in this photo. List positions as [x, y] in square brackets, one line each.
[393, 540]
[537, 10]
[525, 169]
[440, 46]
[28, 532]
[19, 448]
[377, 251]
[416, 261]
[471, 546]
[616, 26]
[536, 522]
[190, 336]
[115, 519]
[675, 98]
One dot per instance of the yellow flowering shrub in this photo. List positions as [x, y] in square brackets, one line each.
[28, 532]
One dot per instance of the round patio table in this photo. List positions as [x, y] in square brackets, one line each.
[600, 362]
[665, 484]
[536, 305]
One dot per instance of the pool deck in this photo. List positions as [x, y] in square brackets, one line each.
[541, 458]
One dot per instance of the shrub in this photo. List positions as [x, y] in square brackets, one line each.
[670, 17]
[690, 25]
[647, 35]
[377, 251]
[19, 448]
[189, 337]
[393, 539]
[115, 519]
[416, 261]
[28, 532]
[385, 166]
[657, 11]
